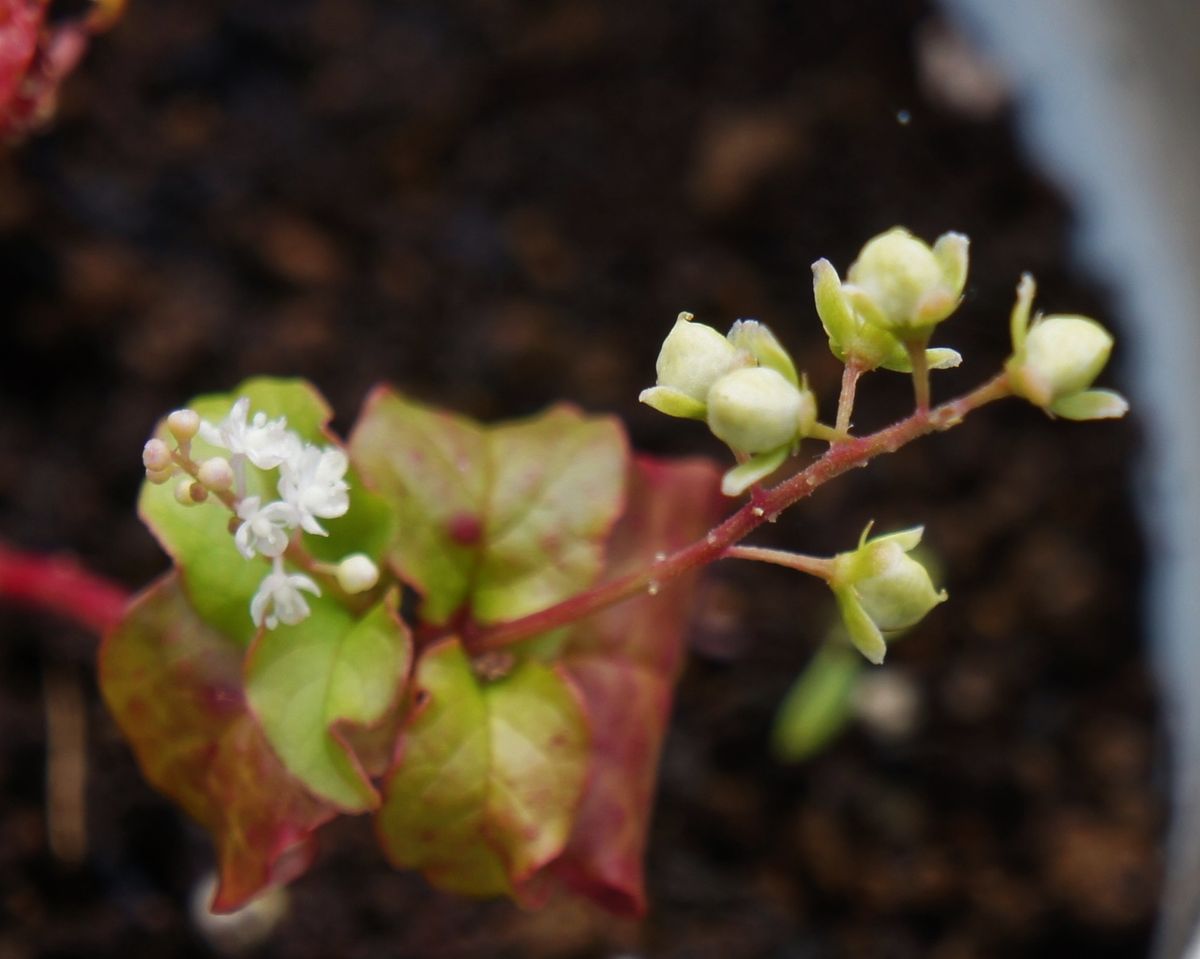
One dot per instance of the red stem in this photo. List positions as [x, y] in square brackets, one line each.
[60, 585]
[838, 459]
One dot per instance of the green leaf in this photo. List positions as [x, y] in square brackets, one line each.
[625, 661]
[498, 521]
[220, 580]
[818, 704]
[173, 684]
[308, 683]
[489, 777]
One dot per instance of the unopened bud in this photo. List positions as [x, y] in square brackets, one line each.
[906, 287]
[159, 477]
[156, 455]
[188, 492]
[693, 357]
[881, 589]
[357, 573]
[184, 424]
[756, 409]
[216, 474]
[1055, 360]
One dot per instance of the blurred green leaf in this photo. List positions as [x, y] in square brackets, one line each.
[501, 521]
[307, 683]
[174, 686]
[489, 777]
[819, 703]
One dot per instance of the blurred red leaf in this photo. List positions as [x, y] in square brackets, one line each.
[36, 56]
[174, 685]
[625, 661]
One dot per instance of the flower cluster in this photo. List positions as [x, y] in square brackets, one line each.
[311, 487]
[894, 295]
[744, 385]
[881, 316]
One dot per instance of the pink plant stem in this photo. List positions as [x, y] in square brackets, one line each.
[851, 373]
[838, 459]
[60, 585]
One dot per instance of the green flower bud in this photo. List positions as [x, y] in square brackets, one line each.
[1055, 360]
[853, 339]
[757, 409]
[693, 357]
[900, 284]
[881, 589]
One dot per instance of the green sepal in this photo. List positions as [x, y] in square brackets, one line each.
[861, 628]
[756, 468]
[1091, 405]
[673, 402]
[757, 340]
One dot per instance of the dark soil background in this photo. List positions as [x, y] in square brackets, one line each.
[497, 204]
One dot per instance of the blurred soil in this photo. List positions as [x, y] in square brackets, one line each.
[496, 204]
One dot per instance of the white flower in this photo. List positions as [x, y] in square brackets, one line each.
[314, 484]
[266, 443]
[265, 529]
[278, 599]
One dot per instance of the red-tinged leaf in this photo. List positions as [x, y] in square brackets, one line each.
[311, 683]
[489, 775]
[626, 661]
[174, 685]
[37, 53]
[497, 521]
[20, 23]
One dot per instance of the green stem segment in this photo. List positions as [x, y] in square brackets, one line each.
[837, 460]
[812, 565]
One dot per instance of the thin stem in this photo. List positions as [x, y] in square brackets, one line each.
[61, 586]
[837, 460]
[851, 373]
[812, 565]
[920, 374]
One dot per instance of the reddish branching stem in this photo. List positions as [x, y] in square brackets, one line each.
[837, 460]
[59, 585]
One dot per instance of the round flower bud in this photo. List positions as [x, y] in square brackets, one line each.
[159, 477]
[756, 409]
[216, 474]
[902, 285]
[894, 589]
[881, 589]
[694, 356]
[1061, 356]
[156, 455]
[357, 573]
[184, 424]
[186, 492]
